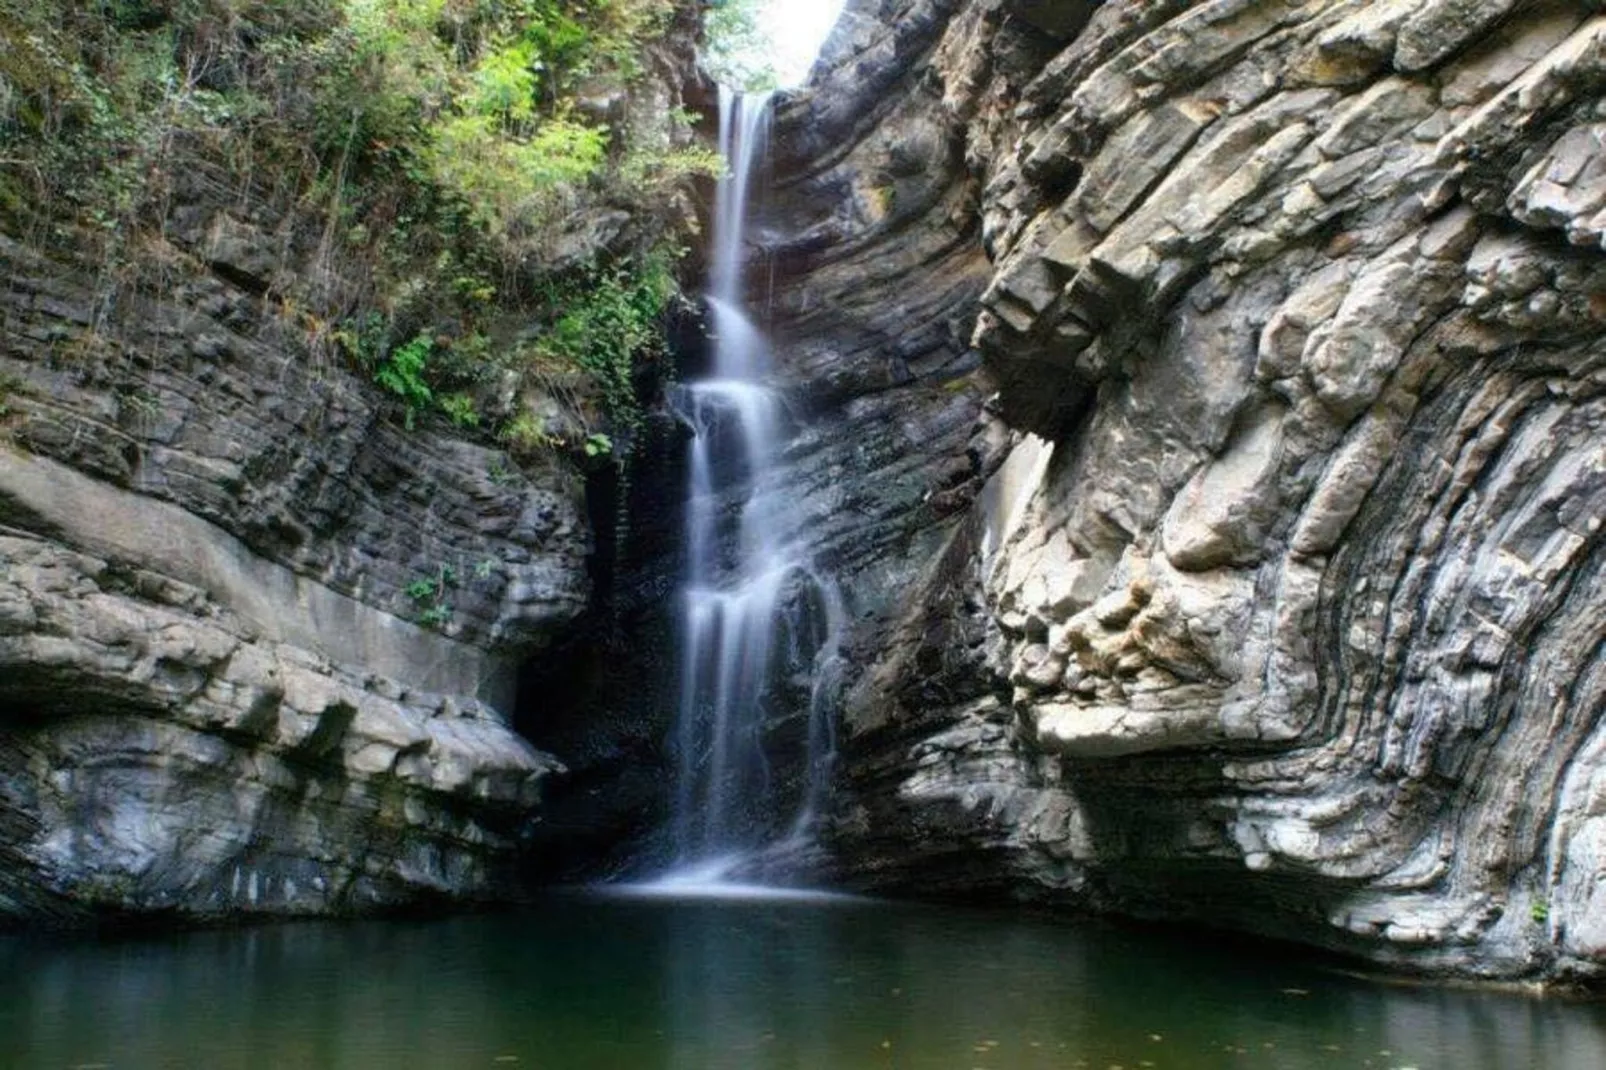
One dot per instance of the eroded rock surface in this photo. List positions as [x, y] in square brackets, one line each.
[160, 755]
[1286, 610]
[258, 640]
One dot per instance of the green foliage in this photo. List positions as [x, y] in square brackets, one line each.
[505, 83]
[460, 409]
[598, 445]
[508, 180]
[92, 99]
[402, 373]
[363, 339]
[610, 320]
[433, 150]
[430, 596]
[650, 172]
[527, 436]
[431, 593]
[421, 590]
[563, 151]
[465, 108]
[1539, 911]
[735, 45]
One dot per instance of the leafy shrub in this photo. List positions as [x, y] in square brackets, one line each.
[610, 320]
[509, 180]
[402, 373]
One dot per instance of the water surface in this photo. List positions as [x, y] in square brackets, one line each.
[622, 984]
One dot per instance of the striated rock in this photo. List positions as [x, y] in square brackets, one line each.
[219, 691]
[162, 756]
[1286, 615]
[207, 398]
[872, 231]
[265, 635]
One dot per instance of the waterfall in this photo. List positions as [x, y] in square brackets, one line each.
[744, 133]
[758, 620]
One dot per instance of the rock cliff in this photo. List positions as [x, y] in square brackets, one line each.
[216, 695]
[1284, 611]
[259, 634]
[1200, 404]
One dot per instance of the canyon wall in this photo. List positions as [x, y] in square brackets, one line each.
[1284, 611]
[1200, 405]
[216, 694]
[260, 629]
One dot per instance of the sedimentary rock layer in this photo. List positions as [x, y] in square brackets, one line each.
[160, 755]
[216, 694]
[1286, 610]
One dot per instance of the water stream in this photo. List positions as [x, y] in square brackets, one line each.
[757, 615]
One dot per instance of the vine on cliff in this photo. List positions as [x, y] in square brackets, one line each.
[612, 319]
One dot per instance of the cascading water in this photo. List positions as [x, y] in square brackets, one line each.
[758, 622]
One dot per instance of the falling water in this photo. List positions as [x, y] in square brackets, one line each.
[757, 616]
[744, 133]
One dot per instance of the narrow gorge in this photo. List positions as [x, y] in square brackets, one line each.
[1140, 458]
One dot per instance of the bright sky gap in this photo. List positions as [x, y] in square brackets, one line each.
[797, 29]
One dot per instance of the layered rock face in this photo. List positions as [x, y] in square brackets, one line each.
[1285, 612]
[260, 635]
[873, 245]
[216, 693]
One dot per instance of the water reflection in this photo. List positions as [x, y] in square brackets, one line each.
[698, 986]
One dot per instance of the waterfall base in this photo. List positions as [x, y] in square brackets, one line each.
[718, 880]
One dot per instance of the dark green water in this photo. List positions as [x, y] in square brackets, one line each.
[590, 983]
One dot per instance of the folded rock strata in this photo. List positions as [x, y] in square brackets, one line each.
[1285, 611]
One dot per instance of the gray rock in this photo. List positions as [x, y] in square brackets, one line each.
[160, 756]
[258, 640]
[1286, 617]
